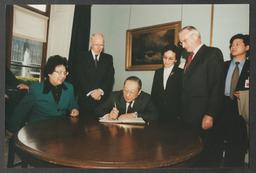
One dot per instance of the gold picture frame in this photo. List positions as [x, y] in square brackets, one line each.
[144, 45]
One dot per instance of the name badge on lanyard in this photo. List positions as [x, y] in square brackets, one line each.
[246, 83]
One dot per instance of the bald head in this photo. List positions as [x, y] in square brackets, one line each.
[97, 43]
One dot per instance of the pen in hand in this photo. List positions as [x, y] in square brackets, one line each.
[114, 113]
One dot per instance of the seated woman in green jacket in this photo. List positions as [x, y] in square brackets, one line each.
[47, 99]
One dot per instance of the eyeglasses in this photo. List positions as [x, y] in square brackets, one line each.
[236, 44]
[62, 72]
[184, 41]
[169, 58]
[126, 91]
[98, 45]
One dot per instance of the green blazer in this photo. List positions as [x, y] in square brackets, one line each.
[42, 106]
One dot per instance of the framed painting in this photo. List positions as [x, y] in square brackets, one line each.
[144, 45]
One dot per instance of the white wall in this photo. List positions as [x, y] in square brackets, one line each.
[229, 20]
[113, 21]
[198, 16]
[124, 17]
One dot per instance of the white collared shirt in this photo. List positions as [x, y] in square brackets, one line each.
[93, 54]
[127, 104]
[167, 72]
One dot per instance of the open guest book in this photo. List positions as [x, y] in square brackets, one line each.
[124, 121]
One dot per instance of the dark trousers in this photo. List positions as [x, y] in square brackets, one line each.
[211, 155]
[234, 134]
[87, 106]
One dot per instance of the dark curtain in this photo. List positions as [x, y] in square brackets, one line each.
[79, 39]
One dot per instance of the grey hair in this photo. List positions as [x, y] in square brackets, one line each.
[192, 30]
[93, 35]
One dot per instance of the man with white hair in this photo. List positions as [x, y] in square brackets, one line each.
[202, 93]
[94, 75]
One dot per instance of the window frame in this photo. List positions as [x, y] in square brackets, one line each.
[9, 36]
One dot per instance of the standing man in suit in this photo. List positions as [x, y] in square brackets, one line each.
[202, 93]
[166, 88]
[131, 102]
[94, 75]
[233, 124]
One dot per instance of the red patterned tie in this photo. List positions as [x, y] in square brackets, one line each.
[189, 60]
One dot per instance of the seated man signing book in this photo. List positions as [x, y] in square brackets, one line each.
[130, 102]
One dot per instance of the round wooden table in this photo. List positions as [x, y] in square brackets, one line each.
[77, 142]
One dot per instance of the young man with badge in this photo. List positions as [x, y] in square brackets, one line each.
[235, 113]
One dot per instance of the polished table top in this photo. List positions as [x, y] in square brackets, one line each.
[78, 142]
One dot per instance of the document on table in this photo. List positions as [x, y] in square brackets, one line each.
[124, 121]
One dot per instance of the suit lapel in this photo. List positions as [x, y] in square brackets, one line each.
[137, 104]
[194, 62]
[122, 106]
[101, 63]
[244, 74]
[170, 77]
[91, 61]
[50, 99]
[161, 78]
[63, 97]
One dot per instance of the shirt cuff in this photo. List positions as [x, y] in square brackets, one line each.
[104, 116]
[136, 114]
[88, 94]
[102, 92]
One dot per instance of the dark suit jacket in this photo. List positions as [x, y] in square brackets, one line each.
[143, 105]
[11, 82]
[230, 107]
[203, 86]
[245, 73]
[89, 77]
[42, 106]
[167, 100]
[233, 126]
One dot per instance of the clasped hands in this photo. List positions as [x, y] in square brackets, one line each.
[113, 115]
[96, 94]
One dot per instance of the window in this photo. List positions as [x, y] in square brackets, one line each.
[39, 7]
[27, 42]
[26, 57]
